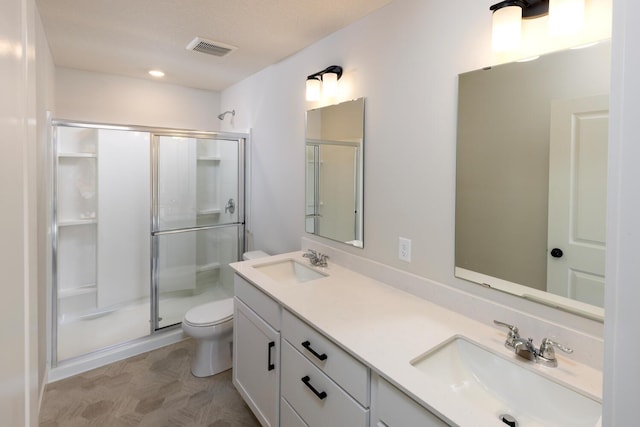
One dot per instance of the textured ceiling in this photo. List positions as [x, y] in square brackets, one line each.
[130, 37]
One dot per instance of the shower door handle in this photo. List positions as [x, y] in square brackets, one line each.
[270, 365]
[230, 206]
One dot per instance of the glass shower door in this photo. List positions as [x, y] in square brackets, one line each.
[198, 226]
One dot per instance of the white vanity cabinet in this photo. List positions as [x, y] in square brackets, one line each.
[320, 382]
[292, 375]
[256, 351]
[393, 408]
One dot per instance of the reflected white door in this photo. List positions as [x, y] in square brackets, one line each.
[577, 198]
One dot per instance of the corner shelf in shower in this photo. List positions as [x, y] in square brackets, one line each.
[208, 267]
[75, 222]
[80, 290]
[208, 158]
[212, 211]
[78, 155]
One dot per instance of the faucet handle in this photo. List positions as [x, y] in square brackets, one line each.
[310, 254]
[546, 348]
[322, 261]
[546, 354]
[512, 336]
[513, 330]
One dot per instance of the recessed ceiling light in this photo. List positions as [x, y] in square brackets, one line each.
[156, 73]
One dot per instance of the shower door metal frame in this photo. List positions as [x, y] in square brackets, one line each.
[241, 140]
[53, 125]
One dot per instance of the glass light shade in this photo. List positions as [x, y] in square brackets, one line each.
[565, 16]
[507, 27]
[313, 89]
[330, 84]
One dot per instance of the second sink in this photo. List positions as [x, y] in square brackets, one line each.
[289, 271]
[497, 386]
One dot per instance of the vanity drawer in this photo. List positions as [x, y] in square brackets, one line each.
[259, 302]
[288, 417]
[314, 396]
[352, 375]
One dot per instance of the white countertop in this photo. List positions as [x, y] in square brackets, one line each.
[386, 328]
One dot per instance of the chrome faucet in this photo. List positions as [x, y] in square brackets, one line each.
[317, 259]
[524, 347]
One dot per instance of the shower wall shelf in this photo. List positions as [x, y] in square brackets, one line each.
[209, 211]
[80, 290]
[76, 219]
[207, 178]
[72, 223]
[78, 155]
[208, 267]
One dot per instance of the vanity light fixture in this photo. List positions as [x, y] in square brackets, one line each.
[323, 82]
[565, 17]
[507, 21]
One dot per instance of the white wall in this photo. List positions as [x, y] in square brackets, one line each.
[404, 59]
[622, 293]
[106, 98]
[45, 75]
[18, 204]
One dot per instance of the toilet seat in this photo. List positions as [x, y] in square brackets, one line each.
[210, 314]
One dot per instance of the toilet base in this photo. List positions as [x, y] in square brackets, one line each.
[213, 348]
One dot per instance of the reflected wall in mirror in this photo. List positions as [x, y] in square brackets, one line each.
[531, 178]
[334, 160]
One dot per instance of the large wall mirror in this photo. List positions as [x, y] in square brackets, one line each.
[531, 178]
[334, 159]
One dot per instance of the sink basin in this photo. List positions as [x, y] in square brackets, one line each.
[289, 271]
[491, 384]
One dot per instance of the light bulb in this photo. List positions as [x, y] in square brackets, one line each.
[565, 17]
[330, 85]
[507, 26]
[313, 89]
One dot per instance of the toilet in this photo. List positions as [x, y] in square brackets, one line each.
[211, 325]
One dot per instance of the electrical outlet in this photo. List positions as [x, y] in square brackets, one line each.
[404, 249]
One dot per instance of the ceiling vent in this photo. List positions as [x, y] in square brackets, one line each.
[210, 47]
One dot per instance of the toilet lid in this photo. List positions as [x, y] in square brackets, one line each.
[211, 313]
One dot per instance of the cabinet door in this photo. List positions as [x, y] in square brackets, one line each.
[256, 363]
[393, 408]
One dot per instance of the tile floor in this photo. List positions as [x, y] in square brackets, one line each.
[152, 389]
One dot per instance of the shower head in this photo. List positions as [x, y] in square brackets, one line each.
[232, 112]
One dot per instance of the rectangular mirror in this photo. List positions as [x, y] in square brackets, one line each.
[531, 178]
[334, 163]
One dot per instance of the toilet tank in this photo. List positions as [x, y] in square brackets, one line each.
[254, 255]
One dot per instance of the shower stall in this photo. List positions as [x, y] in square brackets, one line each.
[145, 223]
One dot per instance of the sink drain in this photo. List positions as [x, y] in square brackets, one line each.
[509, 420]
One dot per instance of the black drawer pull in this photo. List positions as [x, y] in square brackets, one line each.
[307, 345]
[321, 395]
[270, 366]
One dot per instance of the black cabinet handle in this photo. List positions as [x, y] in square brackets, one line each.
[307, 345]
[321, 394]
[270, 366]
